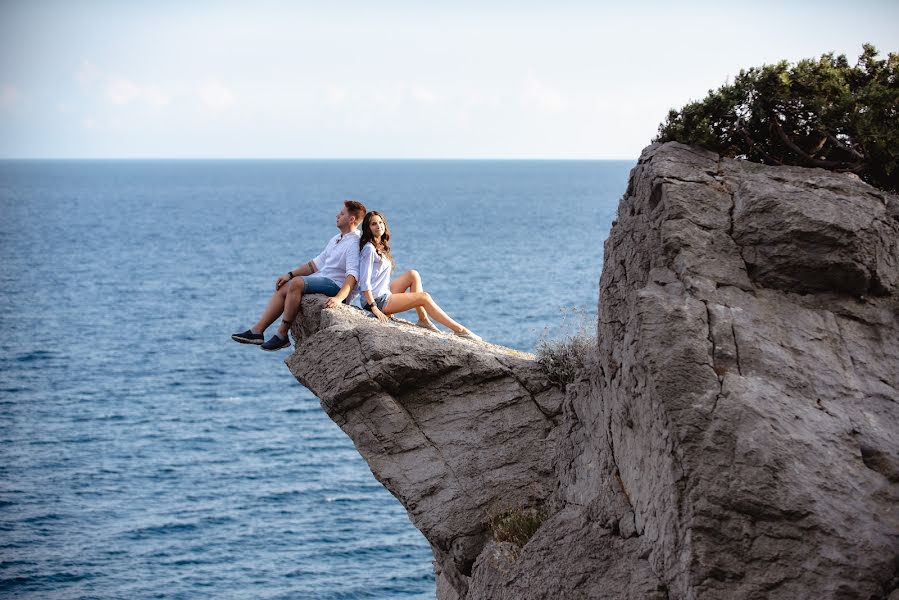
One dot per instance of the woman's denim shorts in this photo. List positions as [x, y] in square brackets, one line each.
[381, 301]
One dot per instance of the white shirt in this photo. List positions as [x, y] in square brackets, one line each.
[339, 258]
[374, 272]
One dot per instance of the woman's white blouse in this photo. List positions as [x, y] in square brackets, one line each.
[374, 272]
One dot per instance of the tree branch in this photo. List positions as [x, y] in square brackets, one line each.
[843, 146]
[820, 144]
[832, 165]
[756, 147]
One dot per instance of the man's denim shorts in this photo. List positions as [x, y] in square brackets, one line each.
[319, 285]
[380, 301]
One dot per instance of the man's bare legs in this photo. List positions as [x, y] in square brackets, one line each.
[411, 280]
[273, 310]
[286, 301]
[292, 300]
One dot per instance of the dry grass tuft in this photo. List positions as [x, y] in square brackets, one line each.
[517, 525]
[562, 358]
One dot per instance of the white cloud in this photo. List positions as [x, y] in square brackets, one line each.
[388, 97]
[9, 95]
[475, 98]
[88, 123]
[215, 95]
[87, 73]
[543, 96]
[423, 94]
[154, 95]
[119, 90]
[335, 96]
[391, 99]
[122, 91]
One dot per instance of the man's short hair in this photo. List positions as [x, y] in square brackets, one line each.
[356, 209]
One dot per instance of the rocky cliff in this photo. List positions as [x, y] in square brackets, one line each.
[735, 433]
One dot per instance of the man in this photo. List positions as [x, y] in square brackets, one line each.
[336, 271]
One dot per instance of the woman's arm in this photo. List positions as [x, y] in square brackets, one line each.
[366, 268]
[370, 300]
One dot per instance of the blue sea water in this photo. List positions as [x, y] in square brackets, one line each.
[143, 454]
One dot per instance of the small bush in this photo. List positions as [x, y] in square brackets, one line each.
[817, 113]
[562, 358]
[517, 525]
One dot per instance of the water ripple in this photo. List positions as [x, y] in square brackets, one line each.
[144, 455]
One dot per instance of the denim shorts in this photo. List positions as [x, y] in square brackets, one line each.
[381, 301]
[319, 285]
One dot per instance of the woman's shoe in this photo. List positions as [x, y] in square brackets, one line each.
[427, 325]
[465, 333]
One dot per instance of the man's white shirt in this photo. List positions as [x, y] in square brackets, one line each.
[339, 258]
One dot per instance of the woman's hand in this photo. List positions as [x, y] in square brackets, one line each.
[333, 302]
[381, 316]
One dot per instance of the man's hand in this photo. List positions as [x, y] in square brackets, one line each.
[381, 316]
[283, 279]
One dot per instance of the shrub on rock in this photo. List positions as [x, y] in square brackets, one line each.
[817, 113]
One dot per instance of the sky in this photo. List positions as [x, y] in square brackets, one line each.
[388, 79]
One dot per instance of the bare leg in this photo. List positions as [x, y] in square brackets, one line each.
[404, 301]
[272, 311]
[410, 280]
[291, 305]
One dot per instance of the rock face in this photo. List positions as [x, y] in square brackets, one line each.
[735, 434]
[455, 429]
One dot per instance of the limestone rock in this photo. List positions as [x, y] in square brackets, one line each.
[455, 429]
[748, 375]
[734, 435]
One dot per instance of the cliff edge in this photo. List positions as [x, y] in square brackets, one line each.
[735, 433]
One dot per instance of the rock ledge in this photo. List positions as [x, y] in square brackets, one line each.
[735, 434]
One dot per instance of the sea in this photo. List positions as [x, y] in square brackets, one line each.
[143, 454]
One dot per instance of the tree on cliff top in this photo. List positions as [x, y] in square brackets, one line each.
[817, 113]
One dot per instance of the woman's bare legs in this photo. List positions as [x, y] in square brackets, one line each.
[403, 301]
[410, 280]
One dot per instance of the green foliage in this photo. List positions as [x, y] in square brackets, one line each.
[517, 525]
[817, 113]
[562, 358]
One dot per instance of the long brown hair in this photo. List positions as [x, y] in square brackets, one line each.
[382, 247]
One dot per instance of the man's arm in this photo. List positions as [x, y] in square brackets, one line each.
[351, 262]
[348, 284]
[306, 269]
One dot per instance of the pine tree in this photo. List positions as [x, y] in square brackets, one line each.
[817, 113]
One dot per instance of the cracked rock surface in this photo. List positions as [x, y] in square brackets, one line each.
[747, 378]
[455, 429]
[735, 434]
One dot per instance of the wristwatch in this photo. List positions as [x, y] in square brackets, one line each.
[291, 275]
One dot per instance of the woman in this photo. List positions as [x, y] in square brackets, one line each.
[383, 298]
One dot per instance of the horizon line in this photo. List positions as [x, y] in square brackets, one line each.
[273, 158]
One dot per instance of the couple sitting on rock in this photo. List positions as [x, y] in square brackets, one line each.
[352, 263]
